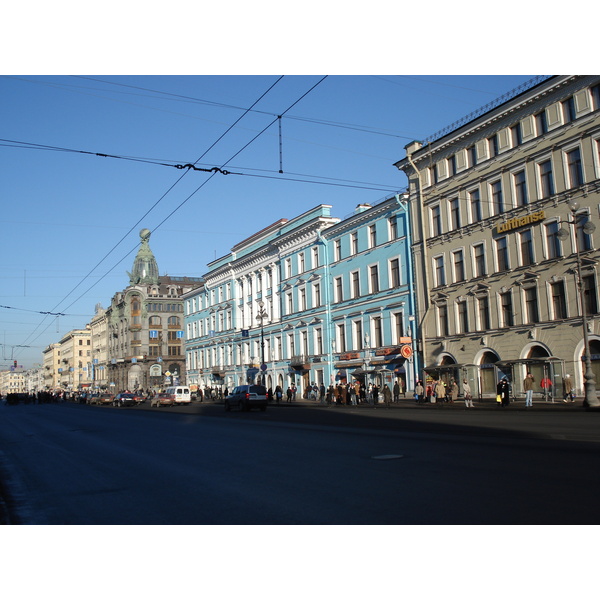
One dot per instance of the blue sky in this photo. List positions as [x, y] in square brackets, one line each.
[71, 219]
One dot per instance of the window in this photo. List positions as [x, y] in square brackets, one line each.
[302, 298]
[442, 312]
[291, 345]
[372, 236]
[584, 240]
[541, 123]
[454, 214]
[358, 335]
[355, 282]
[315, 257]
[596, 96]
[288, 267]
[520, 182]
[304, 342]
[493, 145]
[559, 300]
[339, 289]
[507, 309]
[590, 298]
[458, 260]
[394, 273]
[341, 338]
[289, 302]
[318, 341]
[393, 223]
[497, 198]
[436, 220]
[546, 179]
[463, 320]
[354, 242]
[337, 250]
[377, 332]
[526, 247]
[479, 260]
[440, 276]
[316, 295]
[502, 254]
[452, 165]
[471, 156]
[374, 278]
[483, 308]
[475, 204]
[173, 321]
[516, 134]
[531, 305]
[301, 263]
[574, 168]
[568, 110]
[398, 326]
[553, 245]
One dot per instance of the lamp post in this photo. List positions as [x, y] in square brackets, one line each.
[261, 316]
[591, 398]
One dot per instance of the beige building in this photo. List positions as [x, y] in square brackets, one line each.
[506, 263]
[13, 382]
[50, 366]
[74, 371]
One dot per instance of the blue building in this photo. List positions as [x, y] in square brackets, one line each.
[311, 300]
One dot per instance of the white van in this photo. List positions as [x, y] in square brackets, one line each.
[181, 394]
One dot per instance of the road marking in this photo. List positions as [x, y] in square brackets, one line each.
[387, 456]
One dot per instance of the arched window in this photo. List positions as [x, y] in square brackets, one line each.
[173, 321]
[154, 320]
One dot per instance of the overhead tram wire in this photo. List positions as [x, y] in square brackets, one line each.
[140, 220]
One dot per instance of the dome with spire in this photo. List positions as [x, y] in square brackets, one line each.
[145, 267]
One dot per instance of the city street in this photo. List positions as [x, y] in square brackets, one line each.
[298, 464]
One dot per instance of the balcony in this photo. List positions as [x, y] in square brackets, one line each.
[300, 361]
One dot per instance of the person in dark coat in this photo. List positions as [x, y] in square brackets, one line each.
[503, 390]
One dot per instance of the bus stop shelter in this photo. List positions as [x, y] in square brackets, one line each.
[547, 367]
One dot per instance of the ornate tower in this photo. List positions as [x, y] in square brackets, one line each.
[145, 267]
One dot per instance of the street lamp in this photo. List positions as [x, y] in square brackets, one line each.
[591, 399]
[261, 316]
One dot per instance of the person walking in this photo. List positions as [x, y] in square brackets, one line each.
[503, 390]
[387, 395]
[568, 389]
[528, 387]
[419, 391]
[468, 394]
[546, 385]
[396, 391]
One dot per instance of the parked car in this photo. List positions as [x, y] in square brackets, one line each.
[105, 399]
[124, 400]
[139, 399]
[93, 398]
[247, 397]
[162, 399]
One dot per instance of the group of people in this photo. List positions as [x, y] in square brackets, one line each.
[438, 391]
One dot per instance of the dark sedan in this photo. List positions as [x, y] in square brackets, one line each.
[124, 400]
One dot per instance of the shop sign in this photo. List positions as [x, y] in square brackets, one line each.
[350, 356]
[520, 222]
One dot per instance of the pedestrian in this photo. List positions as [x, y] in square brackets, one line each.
[503, 390]
[322, 393]
[375, 393]
[288, 393]
[528, 387]
[439, 391]
[429, 393]
[546, 385]
[387, 395]
[453, 390]
[468, 394]
[568, 389]
[278, 394]
[396, 391]
[419, 391]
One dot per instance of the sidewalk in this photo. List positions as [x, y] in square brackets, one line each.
[484, 404]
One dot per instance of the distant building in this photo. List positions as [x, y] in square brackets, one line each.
[50, 366]
[144, 326]
[74, 371]
[496, 243]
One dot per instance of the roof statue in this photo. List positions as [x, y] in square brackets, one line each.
[145, 267]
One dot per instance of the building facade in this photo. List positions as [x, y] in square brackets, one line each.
[51, 365]
[74, 371]
[502, 206]
[309, 301]
[144, 327]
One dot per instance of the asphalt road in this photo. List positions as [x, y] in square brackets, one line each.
[76, 464]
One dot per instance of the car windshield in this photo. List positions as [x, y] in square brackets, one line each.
[257, 389]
